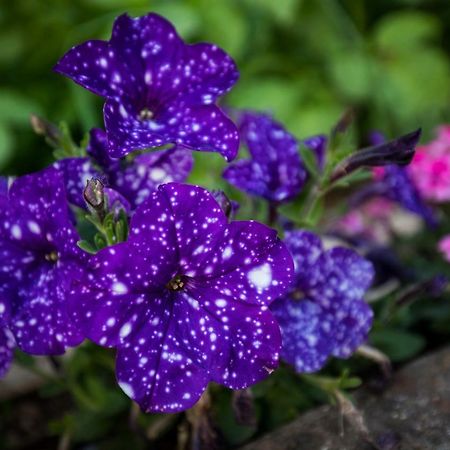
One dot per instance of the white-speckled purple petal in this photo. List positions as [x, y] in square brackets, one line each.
[76, 172]
[306, 333]
[354, 320]
[275, 171]
[137, 180]
[96, 66]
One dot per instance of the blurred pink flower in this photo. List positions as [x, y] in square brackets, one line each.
[430, 168]
[378, 220]
[444, 247]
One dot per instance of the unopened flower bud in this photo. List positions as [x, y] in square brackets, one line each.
[399, 152]
[94, 194]
[47, 129]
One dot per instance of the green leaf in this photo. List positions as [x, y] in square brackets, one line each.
[87, 247]
[397, 344]
[405, 31]
[309, 160]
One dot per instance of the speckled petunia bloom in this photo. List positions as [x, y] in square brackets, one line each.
[158, 89]
[40, 259]
[274, 171]
[185, 299]
[324, 313]
[135, 179]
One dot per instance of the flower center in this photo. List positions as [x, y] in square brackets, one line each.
[298, 295]
[177, 283]
[52, 256]
[146, 114]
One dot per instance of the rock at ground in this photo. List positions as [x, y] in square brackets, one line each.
[413, 413]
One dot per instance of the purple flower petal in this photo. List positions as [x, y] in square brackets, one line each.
[351, 328]
[158, 89]
[76, 172]
[6, 350]
[198, 127]
[306, 333]
[137, 180]
[3, 185]
[275, 171]
[116, 201]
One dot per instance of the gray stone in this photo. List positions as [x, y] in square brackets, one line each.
[412, 413]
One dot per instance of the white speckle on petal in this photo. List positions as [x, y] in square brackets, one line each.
[125, 330]
[119, 288]
[16, 231]
[261, 277]
[34, 227]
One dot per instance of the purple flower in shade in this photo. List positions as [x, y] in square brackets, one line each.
[275, 170]
[7, 345]
[158, 89]
[40, 259]
[185, 299]
[133, 179]
[394, 183]
[323, 314]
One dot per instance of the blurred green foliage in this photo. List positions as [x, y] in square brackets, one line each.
[305, 61]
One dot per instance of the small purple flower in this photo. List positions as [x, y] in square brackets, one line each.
[275, 170]
[323, 315]
[394, 183]
[40, 259]
[133, 179]
[158, 89]
[185, 299]
[7, 345]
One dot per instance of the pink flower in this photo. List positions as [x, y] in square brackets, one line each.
[430, 168]
[444, 247]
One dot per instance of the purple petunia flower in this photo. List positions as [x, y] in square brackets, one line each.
[40, 259]
[185, 299]
[323, 314]
[133, 179]
[158, 89]
[275, 170]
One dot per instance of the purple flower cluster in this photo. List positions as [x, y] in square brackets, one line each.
[323, 313]
[185, 296]
[133, 179]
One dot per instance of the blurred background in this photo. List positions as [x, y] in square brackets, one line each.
[305, 61]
